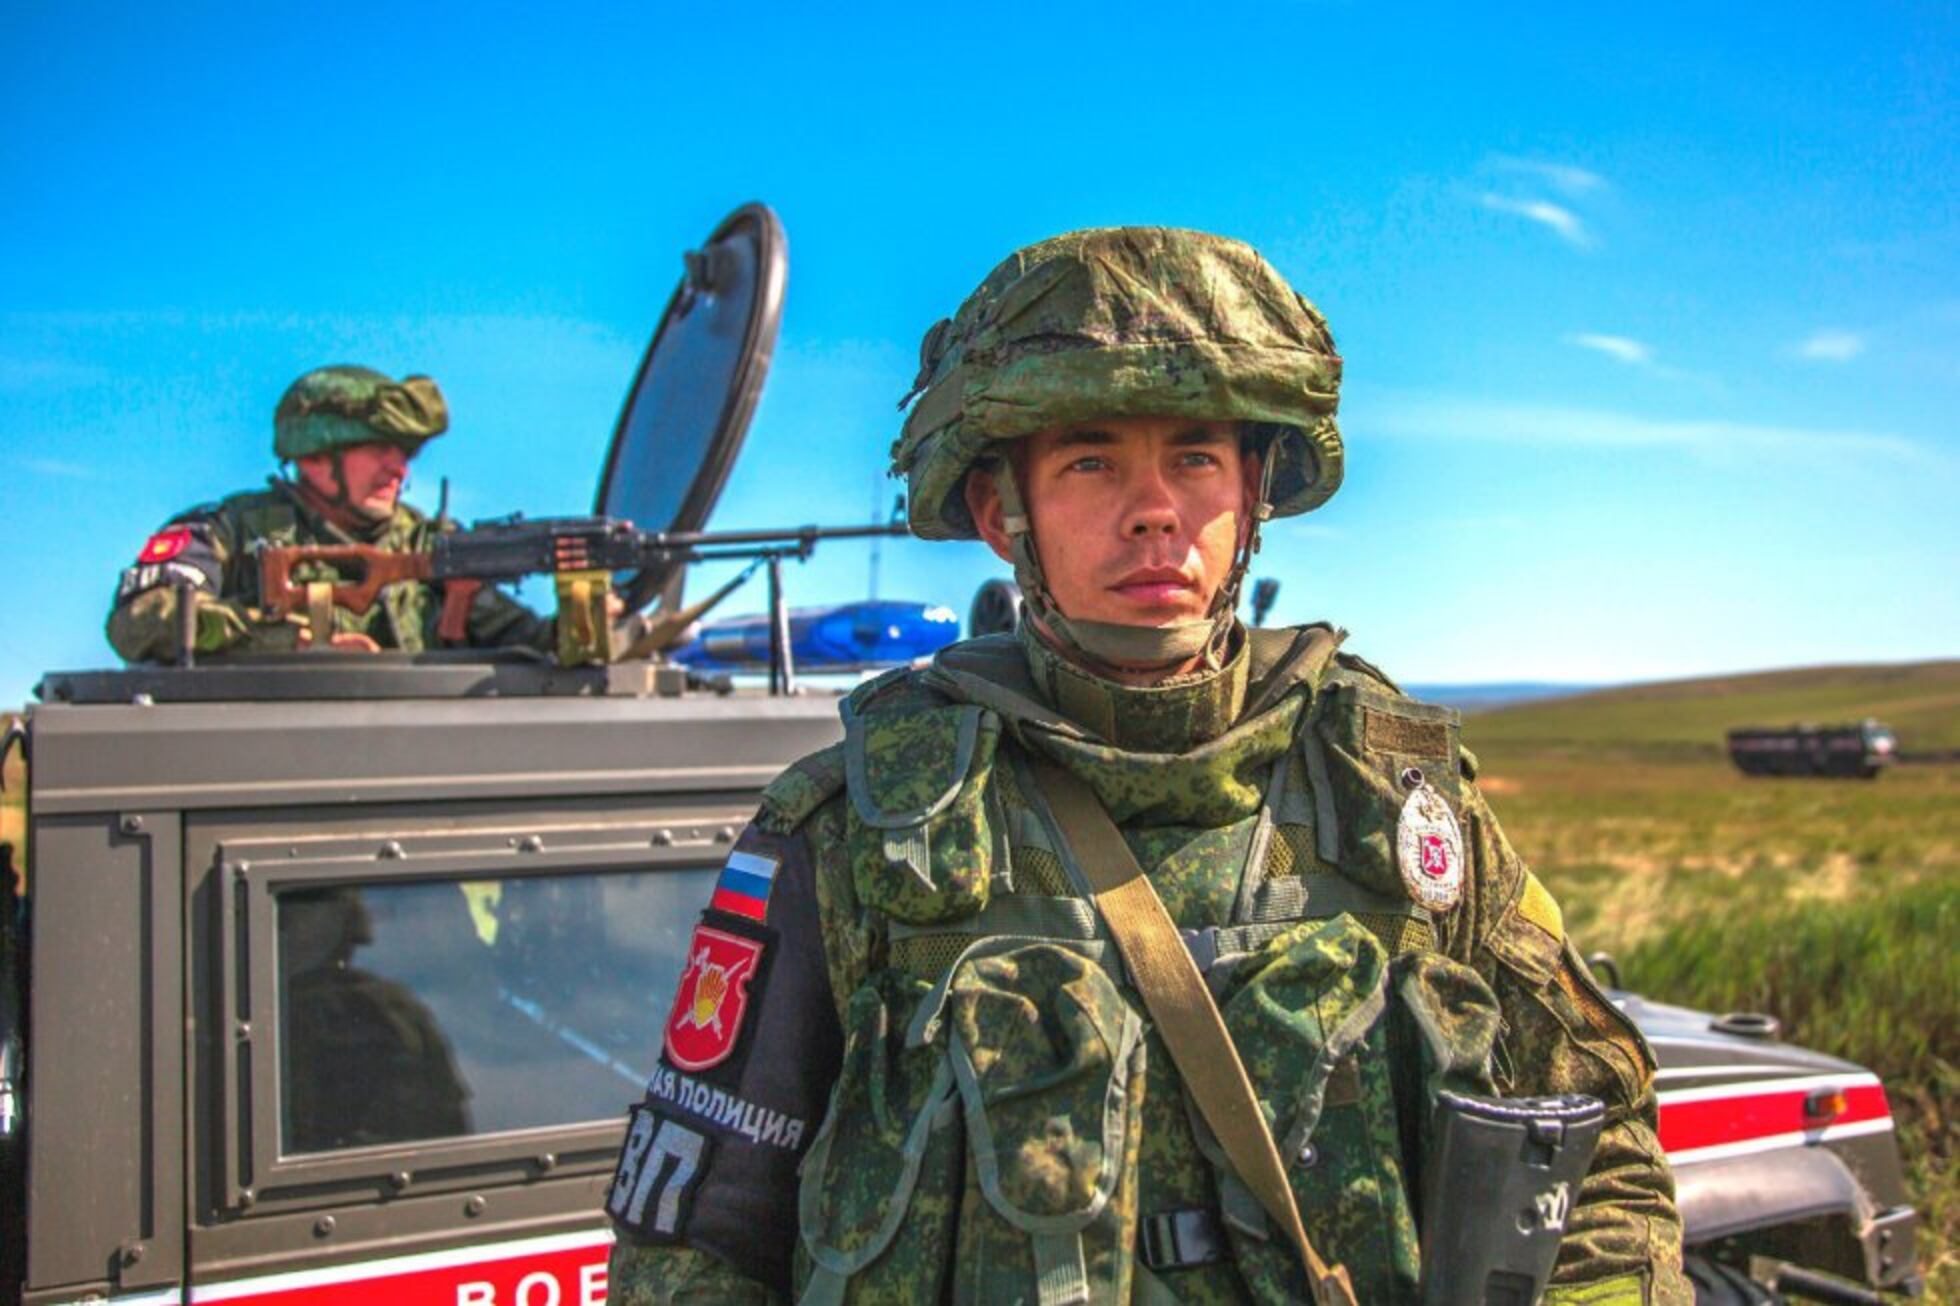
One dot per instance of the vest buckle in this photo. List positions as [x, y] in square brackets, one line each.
[1173, 1240]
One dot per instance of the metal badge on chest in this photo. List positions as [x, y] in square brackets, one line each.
[1429, 845]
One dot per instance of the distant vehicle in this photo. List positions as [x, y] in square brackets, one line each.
[1858, 751]
[335, 973]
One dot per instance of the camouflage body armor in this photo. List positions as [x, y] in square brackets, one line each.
[212, 549]
[1003, 1125]
[1002, 1026]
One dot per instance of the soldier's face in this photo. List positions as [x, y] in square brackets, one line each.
[1136, 519]
[373, 472]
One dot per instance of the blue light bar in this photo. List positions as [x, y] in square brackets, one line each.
[845, 637]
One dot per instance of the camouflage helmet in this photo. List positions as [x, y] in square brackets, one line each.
[332, 407]
[1115, 322]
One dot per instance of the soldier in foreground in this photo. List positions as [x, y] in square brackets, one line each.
[991, 999]
[350, 433]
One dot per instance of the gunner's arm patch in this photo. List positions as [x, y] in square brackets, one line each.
[183, 552]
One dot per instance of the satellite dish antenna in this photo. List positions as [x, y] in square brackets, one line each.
[685, 417]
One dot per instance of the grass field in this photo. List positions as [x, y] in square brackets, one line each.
[1919, 700]
[1834, 905]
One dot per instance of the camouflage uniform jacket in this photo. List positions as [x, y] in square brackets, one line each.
[211, 547]
[898, 1069]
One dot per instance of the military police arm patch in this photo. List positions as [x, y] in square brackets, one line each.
[711, 1002]
[661, 1166]
[749, 1050]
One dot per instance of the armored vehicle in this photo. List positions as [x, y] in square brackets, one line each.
[1858, 751]
[333, 977]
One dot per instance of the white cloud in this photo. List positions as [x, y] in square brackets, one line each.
[48, 374]
[1486, 522]
[1477, 419]
[1624, 348]
[1562, 177]
[57, 467]
[1562, 221]
[1832, 346]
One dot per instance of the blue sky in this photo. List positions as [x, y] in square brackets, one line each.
[1651, 317]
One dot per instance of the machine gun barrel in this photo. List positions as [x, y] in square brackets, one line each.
[811, 534]
[463, 561]
[508, 550]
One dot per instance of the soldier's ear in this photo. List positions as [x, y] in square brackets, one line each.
[983, 502]
[316, 470]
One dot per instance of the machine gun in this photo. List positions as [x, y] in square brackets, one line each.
[582, 553]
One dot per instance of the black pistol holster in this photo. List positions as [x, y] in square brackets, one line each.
[1502, 1175]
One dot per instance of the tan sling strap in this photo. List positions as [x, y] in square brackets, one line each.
[1182, 1007]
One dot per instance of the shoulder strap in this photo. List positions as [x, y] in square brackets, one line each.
[1285, 658]
[1184, 1013]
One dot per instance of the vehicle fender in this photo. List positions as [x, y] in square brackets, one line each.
[1736, 1194]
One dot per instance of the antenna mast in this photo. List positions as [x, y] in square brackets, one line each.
[877, 541]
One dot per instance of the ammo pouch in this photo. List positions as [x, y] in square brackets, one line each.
[921, 844]
[887, 1132]
[1030, 1044]
[1347, 1051]
[1502, 1176]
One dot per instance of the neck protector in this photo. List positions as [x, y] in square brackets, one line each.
[1172, 716]
[1196, 752]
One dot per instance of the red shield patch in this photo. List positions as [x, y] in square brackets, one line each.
[1435, 856]
[712, 998]
[165, 544]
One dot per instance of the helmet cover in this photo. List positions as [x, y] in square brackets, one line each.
[1116, 322]
[333, 407]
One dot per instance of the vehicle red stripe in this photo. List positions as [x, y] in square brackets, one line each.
[1711, 1121]
[572, 1276]
[576, 1276]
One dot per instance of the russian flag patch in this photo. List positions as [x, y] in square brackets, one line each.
[743, 889]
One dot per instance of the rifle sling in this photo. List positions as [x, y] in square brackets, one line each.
[1182, 1008]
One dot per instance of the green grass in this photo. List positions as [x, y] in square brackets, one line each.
[1919, 700]
[1834, 905]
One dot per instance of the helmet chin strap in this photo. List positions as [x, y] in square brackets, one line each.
[342, 499]
[1110, 647]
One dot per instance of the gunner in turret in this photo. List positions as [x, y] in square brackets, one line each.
[349, 433]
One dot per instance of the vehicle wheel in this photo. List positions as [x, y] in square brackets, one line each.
[1723, 1285]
